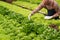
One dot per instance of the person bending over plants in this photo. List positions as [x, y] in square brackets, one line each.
[52, 8]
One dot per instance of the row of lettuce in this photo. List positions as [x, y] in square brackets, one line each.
[35, 1]
[14, 25]
[31, 1]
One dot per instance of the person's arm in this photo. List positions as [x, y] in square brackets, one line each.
[38, 8]
[57, 8]
[56, 14]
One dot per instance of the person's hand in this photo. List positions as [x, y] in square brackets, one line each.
[48, 17]
[29, 16]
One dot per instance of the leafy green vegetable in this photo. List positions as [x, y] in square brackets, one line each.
[14, 25]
